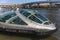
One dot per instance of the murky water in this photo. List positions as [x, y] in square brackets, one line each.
[15, 36]
[52, 14]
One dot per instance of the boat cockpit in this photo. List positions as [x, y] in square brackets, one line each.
[35, 16]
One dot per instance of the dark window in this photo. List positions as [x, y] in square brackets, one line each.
[21, 11]
[46, 23]
[1, 20]
[35, 19]
[17, 20]
[25, 13]
[41, 17]
[7, 16]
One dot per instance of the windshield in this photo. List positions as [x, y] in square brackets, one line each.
[35, 19]
[18, 21]
[7, 16]
[40, 17]
[34, 16]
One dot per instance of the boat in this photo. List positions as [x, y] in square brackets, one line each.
[26, 21]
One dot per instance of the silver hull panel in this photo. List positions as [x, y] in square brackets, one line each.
[9, 28]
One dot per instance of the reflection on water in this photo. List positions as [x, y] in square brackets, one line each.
[52, 14]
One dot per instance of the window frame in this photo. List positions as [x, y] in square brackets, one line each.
[37, 19]
[23, 13]
[16, 17]
[44, 18]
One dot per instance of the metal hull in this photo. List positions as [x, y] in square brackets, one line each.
[8, 28]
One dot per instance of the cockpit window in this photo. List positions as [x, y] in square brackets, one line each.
[5, 17]
[34, 15]
[16, 20]
[35, 19]
[41, 17]
[25, 13]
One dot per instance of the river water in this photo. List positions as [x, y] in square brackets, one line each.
[54, 16]
[51, 14]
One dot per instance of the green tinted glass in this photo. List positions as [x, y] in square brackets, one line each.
[35, 19]
[41, 17]
[16, 20]
[5, 17]
[25, 13]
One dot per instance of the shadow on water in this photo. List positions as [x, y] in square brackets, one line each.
[22, 36]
